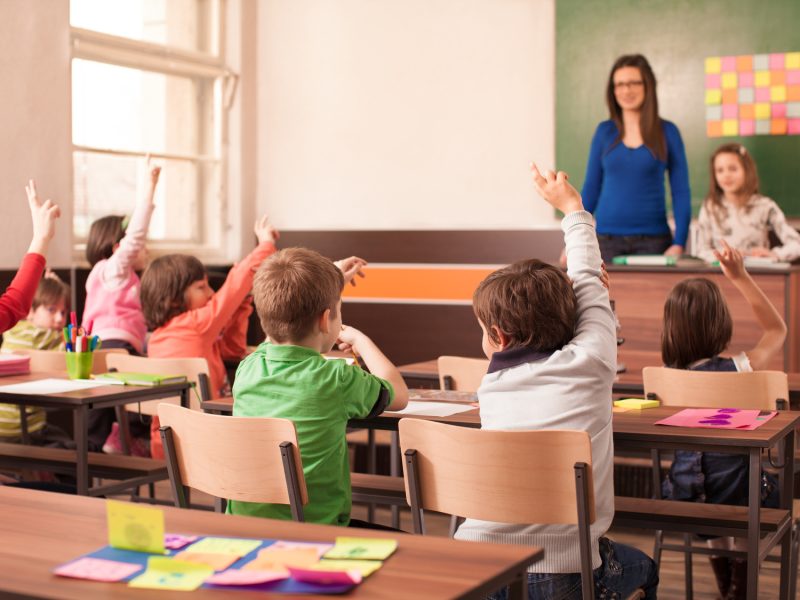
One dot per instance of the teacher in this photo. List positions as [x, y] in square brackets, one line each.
[624, 185]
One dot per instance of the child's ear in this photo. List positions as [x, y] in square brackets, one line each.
[501, 337]
[324, 321]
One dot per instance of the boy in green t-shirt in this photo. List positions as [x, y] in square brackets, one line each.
[297, 295]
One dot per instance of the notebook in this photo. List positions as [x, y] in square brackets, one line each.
[142, 378]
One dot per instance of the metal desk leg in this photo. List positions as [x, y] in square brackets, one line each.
[754, 523]
[81, 419]
[787, 489]
[394, 471]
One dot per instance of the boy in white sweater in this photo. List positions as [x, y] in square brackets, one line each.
[551, 341]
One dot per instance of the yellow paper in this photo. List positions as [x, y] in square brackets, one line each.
[218, 562]
[220, 545]
[165, 573]
[361, 548]
[792, 60]
[762, 110]
[713, 97]
[135, 527]
[777, 93]
[762, 78]
[729, 81]
[637, 403]
[730, 127]
[713, 64]
[365, 567]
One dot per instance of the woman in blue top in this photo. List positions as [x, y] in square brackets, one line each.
[624, 185]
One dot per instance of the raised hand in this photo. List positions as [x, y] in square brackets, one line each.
[265, 231]
[43, 216]
[731, 261]
[350, 267]
[555, 188]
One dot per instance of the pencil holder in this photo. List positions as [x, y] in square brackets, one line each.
[79, 365]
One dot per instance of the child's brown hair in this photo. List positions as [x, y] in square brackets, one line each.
[697, 323]
[531, 302]
[104, 234]
[164, 284]
[292, 289]
[713, 200]
[50, 292]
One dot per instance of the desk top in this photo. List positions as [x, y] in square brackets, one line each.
[42, 530]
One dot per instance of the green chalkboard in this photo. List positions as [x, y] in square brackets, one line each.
[676, 36]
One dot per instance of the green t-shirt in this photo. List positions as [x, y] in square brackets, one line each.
[320, 396]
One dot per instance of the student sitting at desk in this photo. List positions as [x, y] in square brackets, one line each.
[552, 346]
[297, 295]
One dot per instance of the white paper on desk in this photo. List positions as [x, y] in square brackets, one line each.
[434, 409]
[50, 386]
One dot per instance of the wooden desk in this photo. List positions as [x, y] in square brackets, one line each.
[80, 401]
[42, 530]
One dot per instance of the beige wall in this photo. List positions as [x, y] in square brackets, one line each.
[34, 121]
[420, 114]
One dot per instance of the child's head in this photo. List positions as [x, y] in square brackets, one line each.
[292, 290]
[105, 235]
[49, 308]
[697, 323]
[732, 171]
[171, 285]
[528, 304]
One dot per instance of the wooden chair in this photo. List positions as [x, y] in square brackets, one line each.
[461, 373]
[235, 458]
[505, 476]
[763, 390]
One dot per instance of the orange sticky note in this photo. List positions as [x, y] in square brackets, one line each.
[272, 560]
[714, 128]
[744, 63]
[747, 111]
[218, 562]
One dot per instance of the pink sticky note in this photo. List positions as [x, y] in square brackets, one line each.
[285, 545]
[793, 77]
[730, 111]
[712, 81]
[176, 541]
[717, 418]
[746, 79]
[747, 127]
[778, 110]
[241, 577]
[776, 61]
[350, 577]
[728, 63]
[762, 94]
[794, 127]
[97, 569]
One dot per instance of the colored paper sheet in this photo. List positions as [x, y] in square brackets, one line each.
[164, 573]
[218, 562]
[246, 577]
[278, 559]
[718, 418]
[362, 548]
[135, 527]
[50, 386]
[639, 403]
[176, 541]
[325, 577]
[365, 567]
[320, 548]
[97, 569]
[434, 409]
[221, 545]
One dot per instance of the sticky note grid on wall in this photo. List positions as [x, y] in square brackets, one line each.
[753, 94]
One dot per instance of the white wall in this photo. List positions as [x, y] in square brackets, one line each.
[420, 114]
[35, 122]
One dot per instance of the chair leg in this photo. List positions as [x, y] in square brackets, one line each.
[659, 542]
[687, 562]
[793, 563]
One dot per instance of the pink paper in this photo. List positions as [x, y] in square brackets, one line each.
[778, 110]
[176, 541]
[712, 81]
[792, 76]
[728, 63]
[241, 577]
[97, 569]
[747, 127]
[284, 545]
[718, 418]
[326, 577]
[746, 79]
[730, 111]
[794, 126]
[762, 94]
[777, 61]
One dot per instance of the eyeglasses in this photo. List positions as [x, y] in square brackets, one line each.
[628, 85]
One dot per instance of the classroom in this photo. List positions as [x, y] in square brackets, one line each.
[528, 265]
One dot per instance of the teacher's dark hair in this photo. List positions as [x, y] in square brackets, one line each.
[649, 121]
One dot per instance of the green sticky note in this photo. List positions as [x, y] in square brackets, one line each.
[365, 567]
[135, 527]
[221, 545]
[361, 548]
[164, 573]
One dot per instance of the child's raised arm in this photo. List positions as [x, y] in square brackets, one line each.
[43, 215]
[350, 267]
[771, 322]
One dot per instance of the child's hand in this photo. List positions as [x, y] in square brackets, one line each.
[731, 261]
[349, 338]
[350, 267]
[155, 172]
[555, 188]
[43, 215]
[265, 232]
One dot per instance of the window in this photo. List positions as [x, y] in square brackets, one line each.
[148, 77]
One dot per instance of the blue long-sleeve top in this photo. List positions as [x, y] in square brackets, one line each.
[624, 187]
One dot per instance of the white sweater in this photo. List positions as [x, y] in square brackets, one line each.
[570, 389]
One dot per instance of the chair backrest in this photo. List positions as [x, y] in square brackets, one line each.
[192, 368]
[55, 360]
[764, 390]
[237, 458]
[461, 373]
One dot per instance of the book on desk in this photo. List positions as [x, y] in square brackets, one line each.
[141, 378]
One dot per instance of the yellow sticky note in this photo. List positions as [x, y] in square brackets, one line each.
[762, 78]
[762, 110]
[730, 127]
[218, 562]
[792, 60]
[362, 548]
[220, 545]
[365, 567]
[164, 573]
[135, 527]
[713, 64]
[729, 80]
[777, 93]
[636, 403]
[713, 97]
